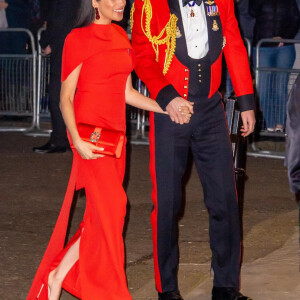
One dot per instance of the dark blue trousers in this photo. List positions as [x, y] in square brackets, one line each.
[207, 136]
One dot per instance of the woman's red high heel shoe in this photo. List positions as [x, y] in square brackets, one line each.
[45, 289]
[71, 281]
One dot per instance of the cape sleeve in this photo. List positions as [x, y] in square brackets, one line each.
[73, 54]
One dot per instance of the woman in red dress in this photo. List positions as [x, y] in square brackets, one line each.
[96, 83]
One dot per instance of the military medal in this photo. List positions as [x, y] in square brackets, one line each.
[192, 14]
[178, 33]
[215, 26]
[210, 2]
[212, 11]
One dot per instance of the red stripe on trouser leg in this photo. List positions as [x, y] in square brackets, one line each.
[154, 200]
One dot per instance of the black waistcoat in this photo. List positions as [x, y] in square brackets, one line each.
[199, 81]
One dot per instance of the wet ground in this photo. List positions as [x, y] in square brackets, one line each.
[32, 189]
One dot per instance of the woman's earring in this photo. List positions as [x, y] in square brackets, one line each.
[97, 13]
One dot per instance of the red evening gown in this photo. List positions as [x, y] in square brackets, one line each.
[107, 60]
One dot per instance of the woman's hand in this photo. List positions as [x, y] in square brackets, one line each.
[186, 112]
[86, 150]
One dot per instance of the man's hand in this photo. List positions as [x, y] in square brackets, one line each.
[47, 50]
[3, 5]
[174, 110]
[278, 38]
[248, 119]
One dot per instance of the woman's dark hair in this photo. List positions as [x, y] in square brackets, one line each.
[85, 14]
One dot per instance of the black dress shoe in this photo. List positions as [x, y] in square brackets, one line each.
[49, 148]
[175, 295]
[227, 293]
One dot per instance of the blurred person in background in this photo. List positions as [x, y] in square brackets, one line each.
[44, 10]
[60, 21]
[35, 16]
[293, 139]
[39, 11]
[245, 20]
[3, 19]
[3, 25]
[15, 93]
[275, 19]
[17, 16]
[246, 25]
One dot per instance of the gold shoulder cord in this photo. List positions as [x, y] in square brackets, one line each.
[169, 30]
[131, 15]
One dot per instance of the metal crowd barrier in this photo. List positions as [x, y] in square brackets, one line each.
[239, 149]
[18, 86]
[272, 86]
[248, 47]
[139, 119]
[42, 100]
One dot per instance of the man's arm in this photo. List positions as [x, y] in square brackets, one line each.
[44, 9]
[150, 72]
[239, 70]
[60, 22]
[237, 62]
[49, 34]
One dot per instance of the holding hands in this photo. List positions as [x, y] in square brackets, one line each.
[180, 110]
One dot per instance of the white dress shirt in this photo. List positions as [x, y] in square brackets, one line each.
[195, 30]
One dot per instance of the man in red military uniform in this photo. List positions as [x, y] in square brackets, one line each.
[179, 46]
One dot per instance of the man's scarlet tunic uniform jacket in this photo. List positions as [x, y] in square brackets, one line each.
[227, 39]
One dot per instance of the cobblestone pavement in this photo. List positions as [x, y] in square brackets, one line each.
[33, 186]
